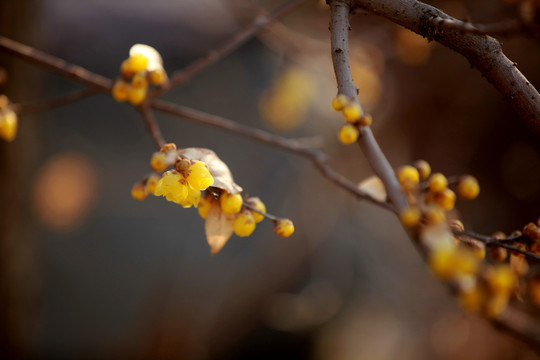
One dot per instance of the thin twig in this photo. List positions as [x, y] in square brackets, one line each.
[152, 126]
[507, 27]
[54, 64]
[301, 147]
[317, 156]
[497, 242]
[182, 76]
[339, 30]
[266, 215]
[48, 104]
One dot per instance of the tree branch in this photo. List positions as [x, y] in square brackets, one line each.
[152, 126]
[483, 52]
[102, 84]
[238, 39]
[504, 243]
[54, 64]
[339, 29]
[296, 146]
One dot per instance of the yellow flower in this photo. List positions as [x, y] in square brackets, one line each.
[173, 187]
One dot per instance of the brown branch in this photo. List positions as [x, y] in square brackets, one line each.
[295, 146]
[300, 147]
[339, 29]
[507, 27]
[152, 126]
[483, 52]
[54, 64]
[497, 242]
[48, 104]
[182, 76]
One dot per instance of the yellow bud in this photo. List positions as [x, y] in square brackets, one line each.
[352, 112]
[410, 217]
[230, 203]
[441, 262]
[138, 192]
[408, 177]
[284, 228]
[151, 183]
[435, 215]
[465, 262]
[468, 187]
[158, 161]
[136, 96]
[348, 134]
[446, 199]
[157, 77]
[423, 168]
[204, 205]
[365, 120]
[134, 64]
[139, 81]
[244, 224]
[339, 102]
[501, 279]
[259, 205]
[168, 147]
[437, 182]
[120, 91]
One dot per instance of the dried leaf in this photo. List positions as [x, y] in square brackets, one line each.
[218, 228]
[374, 187]
[435, 236]
[154, 58]
[222, 175]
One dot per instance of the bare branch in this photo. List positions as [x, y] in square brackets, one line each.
[152, 126]
[48, 104]
[295, 146]
[339, 29]
[507, 27]
[182, 76]
[483, 52]
[54, 64]
[504, 243]
[300, 147]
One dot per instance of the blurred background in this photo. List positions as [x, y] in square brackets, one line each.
[87, 272]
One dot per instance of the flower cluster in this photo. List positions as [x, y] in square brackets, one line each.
[8, 120]
[431, 198]
[191, 183]
[183, 185]
[481, 286]
[143, 67]
[355, 117]
[245, 214]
